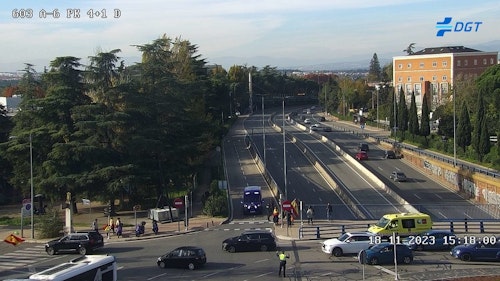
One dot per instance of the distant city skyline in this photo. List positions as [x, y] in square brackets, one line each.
[278, 33]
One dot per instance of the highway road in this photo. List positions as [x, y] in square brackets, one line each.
[303, 180]
[420, 191]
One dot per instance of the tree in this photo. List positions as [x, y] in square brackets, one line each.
[375, 72]
[409, 49]
[464, 128]
[425, 127]
[394, 110]
[402, 114]
[481, 137]
[413, 117]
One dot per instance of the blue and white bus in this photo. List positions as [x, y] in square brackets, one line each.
[84, 268]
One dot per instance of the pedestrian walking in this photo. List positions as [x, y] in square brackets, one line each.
[282, 256]
[112, 224]
[310, 215]
[119, 227]
[95, 226]
[155, 227]
[107, 229]
[329, 211]
[269, 211]
[289, 218]
[275, 215]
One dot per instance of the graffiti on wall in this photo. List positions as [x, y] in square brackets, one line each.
[435, 170]
[491, 197]
[451, 177]
[470, 188]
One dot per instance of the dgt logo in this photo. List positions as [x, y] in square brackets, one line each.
[459, 26]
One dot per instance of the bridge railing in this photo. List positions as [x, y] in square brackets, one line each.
[326, 230]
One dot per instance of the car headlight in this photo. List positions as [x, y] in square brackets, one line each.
[159, 259]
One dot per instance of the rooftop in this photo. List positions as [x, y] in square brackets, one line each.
[445, 50]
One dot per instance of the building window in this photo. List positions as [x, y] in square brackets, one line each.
[408, 65]
[466, 62]
[434, 77]
[475, 61]
[492, 61]
[409, 89]
[445, 63]
[434, 64]
[444, 88]
[434, 88]
[444, 78]
[422, 65]
[458, 63]
[408, 79]
[400, 66]
[418, 89]
[421, 79]
[400, 79]
[485, 61]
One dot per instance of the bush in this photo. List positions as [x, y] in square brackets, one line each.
[216, 205]
[50, 225]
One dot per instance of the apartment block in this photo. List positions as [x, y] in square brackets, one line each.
[434, 71]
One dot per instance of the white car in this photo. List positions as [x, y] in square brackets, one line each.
[348, 243]
[315, 127]
[307, 121]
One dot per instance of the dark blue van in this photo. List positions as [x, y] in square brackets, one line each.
[252, 200]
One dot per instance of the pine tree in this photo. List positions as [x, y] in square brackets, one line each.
[425, 127]
[480, 136]
[413, 117]
[464, 128]
[375, 72]
[402, 114]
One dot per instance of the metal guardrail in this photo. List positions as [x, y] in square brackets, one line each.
[475, 229]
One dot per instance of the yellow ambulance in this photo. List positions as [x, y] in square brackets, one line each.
[403, 224]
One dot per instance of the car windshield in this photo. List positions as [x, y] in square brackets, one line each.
[343, 237]
[382, 222]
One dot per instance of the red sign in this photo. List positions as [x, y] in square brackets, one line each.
[287, 205]
[178, 203]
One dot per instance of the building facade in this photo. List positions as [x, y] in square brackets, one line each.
[434, 71]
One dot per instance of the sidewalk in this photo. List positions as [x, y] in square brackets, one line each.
[83, 220]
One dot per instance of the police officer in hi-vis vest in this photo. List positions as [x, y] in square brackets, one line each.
[282, 256]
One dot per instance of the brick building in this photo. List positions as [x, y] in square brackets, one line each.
[433, 70]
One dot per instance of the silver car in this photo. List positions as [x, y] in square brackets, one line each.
[348, 243]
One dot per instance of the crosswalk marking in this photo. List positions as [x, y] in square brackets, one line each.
[22, 258]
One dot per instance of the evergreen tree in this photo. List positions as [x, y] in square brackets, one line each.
[413, 117]
[464, 128]
[480, 136]
[425, 127]
[402, 114]
[375, 72]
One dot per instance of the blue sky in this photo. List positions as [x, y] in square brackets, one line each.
[256, 32]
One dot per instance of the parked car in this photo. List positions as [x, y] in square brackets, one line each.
[362, 155]
[477, 251]
[383, 253]
[252, 240]
[322, 119]
[398, 176]
[190, 257]
[432, 240]
[364, 147]
[348, 243]
[79, 242]
[307, 121]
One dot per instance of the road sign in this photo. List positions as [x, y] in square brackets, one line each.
[178, 203]
[287, 205]
[136, 207]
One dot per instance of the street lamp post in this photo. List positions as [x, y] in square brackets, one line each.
[284, 152]
[263, 135]
[454, 131]
[31, 187]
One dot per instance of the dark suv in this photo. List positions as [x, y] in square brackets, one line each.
[363, 147]
[254, 240]
[80, 242]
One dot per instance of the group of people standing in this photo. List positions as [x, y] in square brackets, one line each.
[112, 227]
[272, 210]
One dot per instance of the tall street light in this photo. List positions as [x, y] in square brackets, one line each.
[454, 131]
[284, 151]
[263, 135]
[31, 187]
